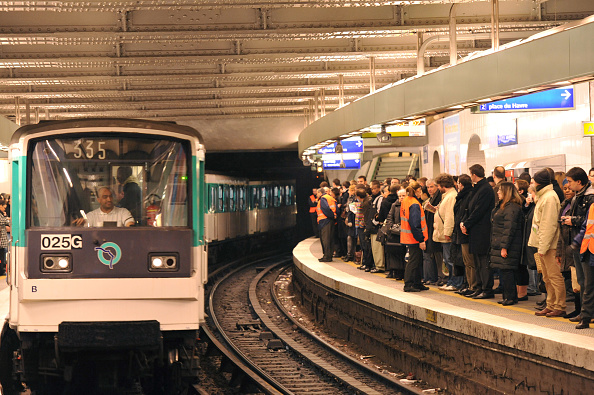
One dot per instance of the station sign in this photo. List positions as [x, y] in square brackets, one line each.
[341, 161]
[553, 99]
[350, 145]
[588, 128]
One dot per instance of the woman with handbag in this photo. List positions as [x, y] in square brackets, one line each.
[395, 251]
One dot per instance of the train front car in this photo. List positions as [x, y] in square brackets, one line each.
[108, 258]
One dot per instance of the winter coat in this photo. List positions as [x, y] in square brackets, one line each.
[506, 232]
[386, 207]
[564, 251]
[545, 228]
[460, 213]
[478, 221]
[580, 204]
[529, 252]
[368, 212]
[443, 224]
[393, 218]
[429, 218]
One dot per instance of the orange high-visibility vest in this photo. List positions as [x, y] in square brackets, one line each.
[588, 241]
[331, 202]
[312, 209]
[406, 236]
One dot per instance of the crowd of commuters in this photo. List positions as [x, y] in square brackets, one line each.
[460, 233]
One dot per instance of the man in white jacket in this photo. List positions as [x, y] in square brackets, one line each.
[443, 226]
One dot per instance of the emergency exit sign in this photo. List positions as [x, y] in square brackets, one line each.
[588, 128]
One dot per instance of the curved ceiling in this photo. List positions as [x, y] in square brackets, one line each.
[226, 65]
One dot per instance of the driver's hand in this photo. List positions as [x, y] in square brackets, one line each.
[78, 222]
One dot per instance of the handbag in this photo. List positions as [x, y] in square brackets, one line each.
[382, 234]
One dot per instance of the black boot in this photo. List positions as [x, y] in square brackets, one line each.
[391, 274]
[578, 306]
[584, 323]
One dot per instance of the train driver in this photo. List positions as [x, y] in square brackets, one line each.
[107, 214]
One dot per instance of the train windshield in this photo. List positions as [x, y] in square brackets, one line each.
[109, 181]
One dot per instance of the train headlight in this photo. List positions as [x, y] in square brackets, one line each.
[167, 262]
[58, 263]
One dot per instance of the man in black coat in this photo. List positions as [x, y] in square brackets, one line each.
[478, 226]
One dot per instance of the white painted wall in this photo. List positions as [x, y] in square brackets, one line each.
[539, 134]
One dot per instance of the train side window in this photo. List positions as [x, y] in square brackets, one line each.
[263, 197]
[288, 195]
[231, 198]
[254, 197]
[220, 199]
[212, 198]
[241, 201]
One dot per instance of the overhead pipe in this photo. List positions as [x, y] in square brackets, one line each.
[17, 110]
[340, 90]
[453, 42]
[372, 74]
[495, 24]
[428, 41]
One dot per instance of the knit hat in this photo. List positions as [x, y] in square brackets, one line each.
[542, 177]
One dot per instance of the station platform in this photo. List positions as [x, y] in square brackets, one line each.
[514, 326]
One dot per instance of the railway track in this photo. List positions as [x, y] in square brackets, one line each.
[266, 352]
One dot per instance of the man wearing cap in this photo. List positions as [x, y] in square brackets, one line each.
[544, 237]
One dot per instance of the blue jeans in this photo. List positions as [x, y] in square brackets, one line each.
[533, 284]
[429, 268]
[456, 281]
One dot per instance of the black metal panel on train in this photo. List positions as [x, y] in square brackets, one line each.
[108, 252]
[113, 335]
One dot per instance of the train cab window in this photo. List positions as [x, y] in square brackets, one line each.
[241, 198]
[146, 178]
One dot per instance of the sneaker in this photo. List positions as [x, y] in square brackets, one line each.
[444, 287]
[451, 288]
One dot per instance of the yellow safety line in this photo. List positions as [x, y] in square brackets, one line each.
[483, 301]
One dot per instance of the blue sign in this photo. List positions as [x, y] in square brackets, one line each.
[349, 164]
[350, 145]
[507, 139]
[554, 99]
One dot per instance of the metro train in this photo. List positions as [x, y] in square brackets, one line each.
[249, 213]
[112, 300]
